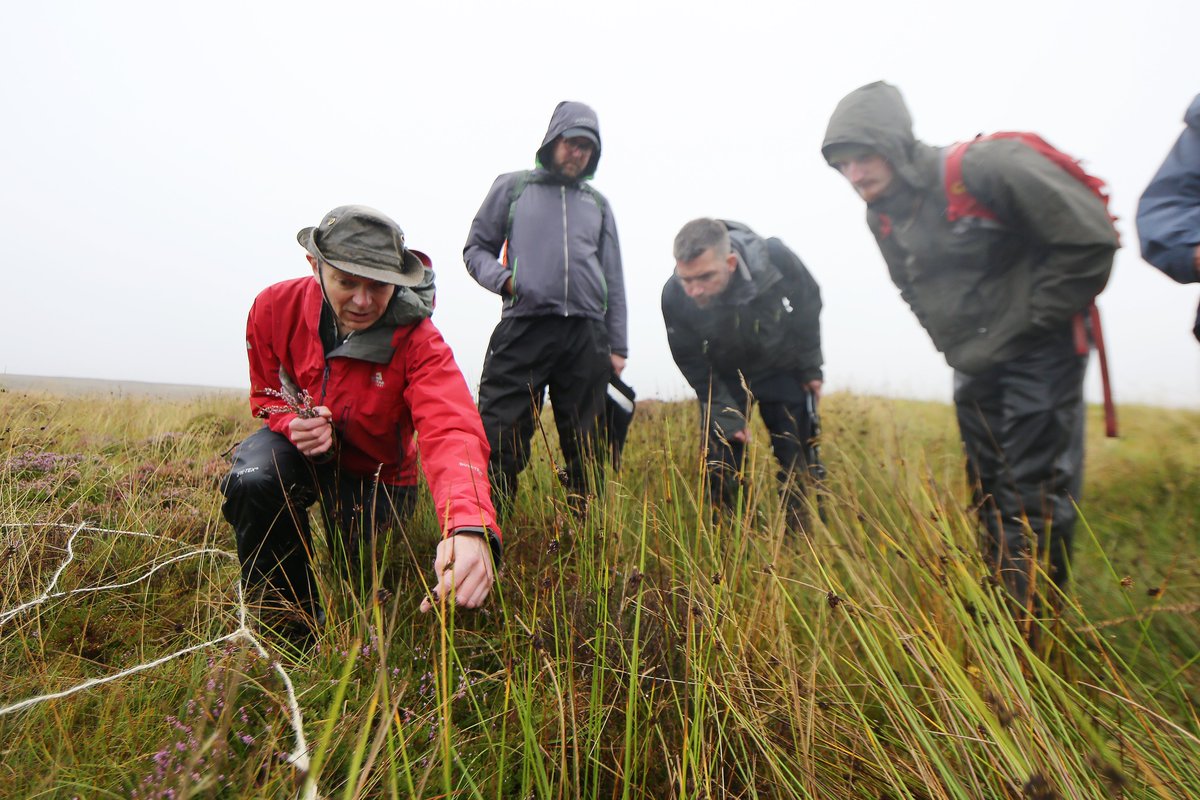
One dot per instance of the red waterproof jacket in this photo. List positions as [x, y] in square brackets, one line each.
[376, 407]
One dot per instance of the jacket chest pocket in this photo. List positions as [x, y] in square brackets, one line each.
[364, 403]
[740, 341]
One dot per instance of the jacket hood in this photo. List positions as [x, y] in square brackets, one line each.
[1192, 117]
[409, 305]
[875, 116]
[755, 270]
[570, 114]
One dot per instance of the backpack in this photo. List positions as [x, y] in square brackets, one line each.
[960, 203]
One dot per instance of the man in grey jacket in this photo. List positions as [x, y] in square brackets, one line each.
[546, 242]
[743, 318]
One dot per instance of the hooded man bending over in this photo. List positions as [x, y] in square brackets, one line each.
[355, 338]
[997, 293]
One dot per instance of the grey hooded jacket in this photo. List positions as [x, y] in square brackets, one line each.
[562, 250]
[762, 333]
[985, 290]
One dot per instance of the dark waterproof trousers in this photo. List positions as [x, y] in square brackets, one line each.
[1022, 425]
[790, 428]
[267, 494]
[526, 356]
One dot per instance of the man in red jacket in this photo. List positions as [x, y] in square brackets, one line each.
[345, 366]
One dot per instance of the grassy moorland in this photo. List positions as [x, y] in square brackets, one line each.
[645, 652]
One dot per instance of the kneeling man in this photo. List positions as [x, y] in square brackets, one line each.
[345, 367]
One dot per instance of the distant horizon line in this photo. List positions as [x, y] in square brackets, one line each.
[73, 386]
[63, 384]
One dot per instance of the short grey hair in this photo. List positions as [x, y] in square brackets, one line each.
[700, 235]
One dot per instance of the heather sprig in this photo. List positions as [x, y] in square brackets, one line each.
[298, 403]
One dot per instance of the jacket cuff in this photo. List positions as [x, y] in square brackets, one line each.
[726, 421]
[281, 423]
[492, 536]
[1179, 263]
[503, 277]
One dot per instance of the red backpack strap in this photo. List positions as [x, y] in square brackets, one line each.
[960, 202]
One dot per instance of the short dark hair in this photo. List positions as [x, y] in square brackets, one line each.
[700, 235]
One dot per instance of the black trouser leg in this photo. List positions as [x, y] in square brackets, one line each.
[577, 388]
[1022, 426]
[723, 464]
[267, 494]
[511, 391]
[789, 426]
[355, 510]
[525, 356]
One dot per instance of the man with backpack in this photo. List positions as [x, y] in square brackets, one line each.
[1168, 215]
[999, 247]
[546, 242]
[743, 323]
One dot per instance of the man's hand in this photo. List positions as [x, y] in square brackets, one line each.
[814, 386]
[618, 363]
[314, 435]
[1196, 260]
[742, 436]
[464, 565]
[507, 289]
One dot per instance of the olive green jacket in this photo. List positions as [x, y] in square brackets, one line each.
[985, 290]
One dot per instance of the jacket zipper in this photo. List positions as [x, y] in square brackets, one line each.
[566, 257]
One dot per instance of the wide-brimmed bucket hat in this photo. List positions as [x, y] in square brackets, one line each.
[364, 242]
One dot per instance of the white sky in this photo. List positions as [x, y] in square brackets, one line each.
[157, 159]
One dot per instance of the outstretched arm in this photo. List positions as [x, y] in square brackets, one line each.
[454, 456]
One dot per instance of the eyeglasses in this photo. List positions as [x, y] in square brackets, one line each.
[579, 144]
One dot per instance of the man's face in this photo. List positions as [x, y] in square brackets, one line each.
[707, 276]
[868, 172]
[358, 303]
[571, 156]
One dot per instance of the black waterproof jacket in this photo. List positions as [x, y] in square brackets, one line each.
[763, 330]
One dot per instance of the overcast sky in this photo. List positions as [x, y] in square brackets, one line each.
[158, 158]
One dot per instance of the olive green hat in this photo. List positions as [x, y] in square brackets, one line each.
[364, 242]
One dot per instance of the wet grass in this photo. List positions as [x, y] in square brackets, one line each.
[648, 651]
